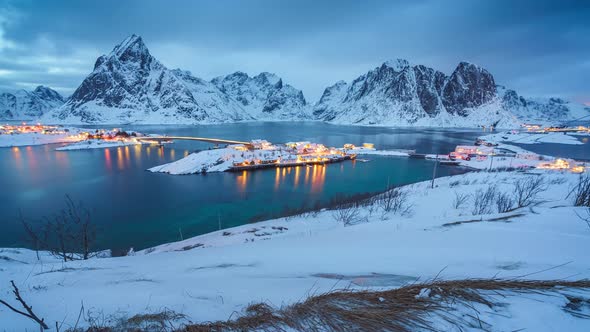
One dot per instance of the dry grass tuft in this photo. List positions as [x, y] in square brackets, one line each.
[409, 308]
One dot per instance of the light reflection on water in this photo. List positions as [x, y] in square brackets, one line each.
[290, 177]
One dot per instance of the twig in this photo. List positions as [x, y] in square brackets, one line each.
[30, 314]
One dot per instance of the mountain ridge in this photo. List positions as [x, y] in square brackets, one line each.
[129, 85]
[398, 93]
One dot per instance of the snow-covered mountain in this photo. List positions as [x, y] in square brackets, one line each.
[401, 94]
[131, 86]
[28, 105]
[264, 96]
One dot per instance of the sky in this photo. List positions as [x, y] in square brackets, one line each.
[539, 48]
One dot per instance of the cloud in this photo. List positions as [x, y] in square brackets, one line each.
[5, 16]
[536, 47]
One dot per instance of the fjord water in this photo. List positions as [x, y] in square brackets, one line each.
[136, 208]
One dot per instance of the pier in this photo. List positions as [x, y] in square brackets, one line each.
[169, 139]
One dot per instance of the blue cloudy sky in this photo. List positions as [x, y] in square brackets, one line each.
[539, 48]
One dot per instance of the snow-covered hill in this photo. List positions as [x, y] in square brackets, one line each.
[401, 94]
[28, 105]
[131, 86]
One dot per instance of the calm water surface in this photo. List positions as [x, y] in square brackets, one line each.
[136, 208]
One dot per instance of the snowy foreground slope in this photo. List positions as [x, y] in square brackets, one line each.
[282, 261]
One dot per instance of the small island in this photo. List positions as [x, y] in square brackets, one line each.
[259, 154]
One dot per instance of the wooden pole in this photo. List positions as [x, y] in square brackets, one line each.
[434, 171]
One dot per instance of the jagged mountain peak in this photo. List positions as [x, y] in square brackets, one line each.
[131, 45]
[397, 64]
[466, 65]
[47, 93]
[266, 77]
[239, 74]
[238, 77]
[131, 51]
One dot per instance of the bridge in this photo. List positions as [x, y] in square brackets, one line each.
[161, 139]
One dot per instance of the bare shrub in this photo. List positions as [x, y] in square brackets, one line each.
[69, 234]
[504, 202]
[527, 190]
[582, 191]
[395, 200]
[460, 200]
[372, 206]
[454, 183]
[347, 215]
[483, 200]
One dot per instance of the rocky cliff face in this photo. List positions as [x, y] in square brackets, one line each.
[131, 86]
[28, 105]
[468, 87]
